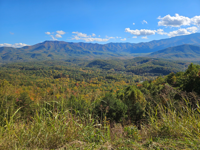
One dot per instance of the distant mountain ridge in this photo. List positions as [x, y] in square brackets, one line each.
[182, 52]
[65, 50]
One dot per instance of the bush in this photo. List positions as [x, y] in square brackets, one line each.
[132, 132]
[77, 106]
[26, 105]
[111, 107]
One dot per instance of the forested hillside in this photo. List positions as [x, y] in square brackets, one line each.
[140, 66]
[182, 52]
[52, 104]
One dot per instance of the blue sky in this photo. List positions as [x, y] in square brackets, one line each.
[27, 22]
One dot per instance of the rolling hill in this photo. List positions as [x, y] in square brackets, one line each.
[182, 52]
[140, 65]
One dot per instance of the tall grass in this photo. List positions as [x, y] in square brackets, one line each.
[52, 125]
[177, 123]
[55, 124]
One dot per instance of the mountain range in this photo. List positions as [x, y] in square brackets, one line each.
[64, 50]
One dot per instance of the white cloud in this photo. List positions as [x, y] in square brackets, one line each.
[142, 32]
[123, 39]
[183, 31]
[95, 39]
[161, 32]
[178, 32]
[192, 29]
[171, 21]
[53, 38]
[144, 21]
[111, 37]
[89, 38]
[174, 21]
[196, 20]
[144, 37]
[6, 45]
[60, 32]
[80, 34]
[58, 36]
[76, 38]
[16, 45]
[48, 33]
[99, 36]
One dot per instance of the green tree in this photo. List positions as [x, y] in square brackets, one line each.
[111, 107]
[136, 103]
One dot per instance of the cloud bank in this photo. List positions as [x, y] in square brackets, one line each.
[183, 31]
[142, 32]
[177, 21]
[124, 39]
[16, 45]
[144, 37]
[89, 38]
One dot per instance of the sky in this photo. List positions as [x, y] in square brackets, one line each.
[28, 22]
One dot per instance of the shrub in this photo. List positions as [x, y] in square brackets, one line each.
[77, 106]
[132, 132]
[26, 105]
[111, 107]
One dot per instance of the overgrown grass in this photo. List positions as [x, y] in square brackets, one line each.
[56, 125]
[167, 128]
[169, 123]
[51, 125]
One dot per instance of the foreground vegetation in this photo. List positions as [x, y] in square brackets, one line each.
[56, 106]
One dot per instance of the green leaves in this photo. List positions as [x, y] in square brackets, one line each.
[111, 107]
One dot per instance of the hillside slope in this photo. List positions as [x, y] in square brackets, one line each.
[140, 66]
[182, 52]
